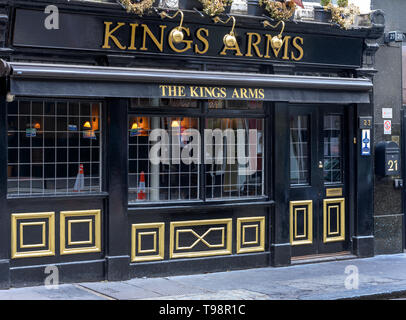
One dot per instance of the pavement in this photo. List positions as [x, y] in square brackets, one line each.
[376, 277]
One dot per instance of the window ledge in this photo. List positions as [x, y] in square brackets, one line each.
[201, 206]
[59, 196]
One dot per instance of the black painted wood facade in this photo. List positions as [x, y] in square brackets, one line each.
[330, 75]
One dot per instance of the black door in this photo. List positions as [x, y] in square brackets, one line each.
[318, 183]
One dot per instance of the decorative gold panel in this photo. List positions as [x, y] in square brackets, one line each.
[90, 224]
[38, 245]
[139, 240]
[339, 234]
[44, 247]
[69, 218]
[256, 223]
[188, 227]
[157, 231]
[334, 192]
[306, 208]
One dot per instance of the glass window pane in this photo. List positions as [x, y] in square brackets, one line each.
[299, 150]
[37, 108]
[156, 149]
[46, 146]
[332, 149]
[49, 108]
[234, 151]
[12, 108]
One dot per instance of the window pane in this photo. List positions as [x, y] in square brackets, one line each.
[156, 170]
[332, 149]
[48, 144]
[234, 152]
[299, 150]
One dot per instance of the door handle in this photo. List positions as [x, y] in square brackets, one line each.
[320, 165]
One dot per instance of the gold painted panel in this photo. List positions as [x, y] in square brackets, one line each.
[158, 239]
[329, 218]
[224, 247]
[304, 235]
[199, 238]
[16, 248]
[74, 217]
[43, 236]
[258, 223]
[334, 192]
[140, 235]
[328, 204]
[244, 230]
[89, 222]
[307, 237]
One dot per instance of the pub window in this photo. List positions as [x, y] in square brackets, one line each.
[197, 156]
[239, 174]
[299, 150]
[54, 147]
[169, 178]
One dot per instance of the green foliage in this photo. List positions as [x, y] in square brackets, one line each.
[324, 3]
[342, 3]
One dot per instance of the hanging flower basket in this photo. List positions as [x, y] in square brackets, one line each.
[138, 7]
[279, 10]
[216, 7]
[343, 16]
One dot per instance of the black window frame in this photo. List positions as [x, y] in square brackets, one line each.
[202, 112]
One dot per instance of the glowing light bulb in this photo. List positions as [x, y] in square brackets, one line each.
[134, 126]
[175, 123]
[87, 125]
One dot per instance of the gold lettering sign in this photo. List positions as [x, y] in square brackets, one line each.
[144, 38]
[174, 91]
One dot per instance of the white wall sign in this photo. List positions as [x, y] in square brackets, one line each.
[386, 113]
[387, 127]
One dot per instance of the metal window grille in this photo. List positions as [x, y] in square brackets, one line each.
[48, 142]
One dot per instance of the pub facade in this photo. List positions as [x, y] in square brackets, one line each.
[129, 150]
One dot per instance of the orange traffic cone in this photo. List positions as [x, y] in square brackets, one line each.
[141, 188]
[80, 180]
